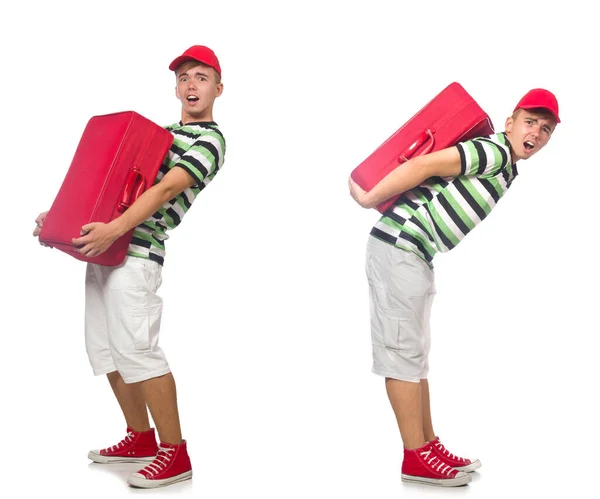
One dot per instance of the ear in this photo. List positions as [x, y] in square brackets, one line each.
[219, 89]
[508, 124]
[176, 93]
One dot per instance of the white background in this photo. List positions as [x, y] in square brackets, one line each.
[266, 303]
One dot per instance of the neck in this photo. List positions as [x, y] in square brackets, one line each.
[188, 118]
[513, 157]
[191, 119]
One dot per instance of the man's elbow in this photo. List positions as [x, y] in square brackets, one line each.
[367, 204]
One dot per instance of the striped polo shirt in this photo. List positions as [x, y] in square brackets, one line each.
[436, 215]
[198, 148]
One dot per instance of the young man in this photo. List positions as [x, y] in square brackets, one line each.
[123, 309]
[445, 195]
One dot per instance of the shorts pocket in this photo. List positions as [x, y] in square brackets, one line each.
[399, 331]
[144, 325]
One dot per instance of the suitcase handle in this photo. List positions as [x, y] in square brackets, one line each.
[134, 187]
[406, 155]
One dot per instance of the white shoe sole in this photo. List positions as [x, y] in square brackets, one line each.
[475, 465]
[99, 458]
[462, 478]
[137, 480]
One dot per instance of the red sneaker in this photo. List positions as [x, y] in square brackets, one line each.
[425, 466]
[136, 447]
[458, 463]
[172, 464]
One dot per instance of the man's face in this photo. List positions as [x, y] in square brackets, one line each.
[197, 88]
[528, 132]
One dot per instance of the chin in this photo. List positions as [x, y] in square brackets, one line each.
[527, 155]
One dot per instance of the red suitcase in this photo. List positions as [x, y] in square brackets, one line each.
[117, 159]
[450, 117]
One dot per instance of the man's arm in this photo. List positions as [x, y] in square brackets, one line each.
[444, 163]
[173, 183]
[99, 236]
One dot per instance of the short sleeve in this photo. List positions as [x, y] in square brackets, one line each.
[482, 157]
[203, 159]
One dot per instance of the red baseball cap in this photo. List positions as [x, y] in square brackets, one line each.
[198, 53]
[539, 97]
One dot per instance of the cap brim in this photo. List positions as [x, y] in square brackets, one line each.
[179, 61]
[531, 106]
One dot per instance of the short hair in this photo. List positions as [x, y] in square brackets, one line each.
[192, 64]
[537, 110]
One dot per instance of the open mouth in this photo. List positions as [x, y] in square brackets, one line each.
[192, 98]
[528, 145]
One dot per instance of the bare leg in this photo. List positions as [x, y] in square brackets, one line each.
[131, 400]
[428, 432]
[406, 400]
[161, 396]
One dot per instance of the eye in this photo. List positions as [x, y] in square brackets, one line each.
[529, 122]
[546, 129]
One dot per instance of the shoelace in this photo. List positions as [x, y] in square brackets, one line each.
[128, 438]
[434, 461]
[162, 459]
[446, 452]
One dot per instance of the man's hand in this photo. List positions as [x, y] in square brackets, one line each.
[96, 238]
[39, 222]
[358, 194]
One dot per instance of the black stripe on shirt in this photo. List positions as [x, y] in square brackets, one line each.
[501, 150]
[191, 135]
[417, 222]
[413, 220]
[460, 187]
[185, 200]
[196, 164]
[384, 236]
[411, 204]
[407, 237]
[439, 231]
[395, 217]
[156, 258]
[481, 157]
[140, 242]
[490, 188]
[453, 215]
[424, 191]
[175, 149]
[164, 169]
[174, 215]
[463, 160]
[440, 181]
[215, 129]
[210, 148]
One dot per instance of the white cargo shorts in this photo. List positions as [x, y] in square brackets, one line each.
[122, 319]
[401, 291]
